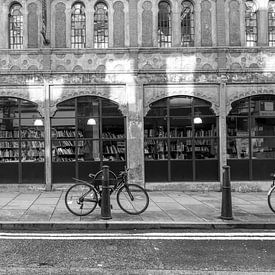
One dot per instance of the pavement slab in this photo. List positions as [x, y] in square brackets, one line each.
[167, 209]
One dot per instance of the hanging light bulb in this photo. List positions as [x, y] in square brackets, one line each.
[91, 121]
[197, 120]
[38, 122]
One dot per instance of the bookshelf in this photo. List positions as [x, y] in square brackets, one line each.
[113, 147]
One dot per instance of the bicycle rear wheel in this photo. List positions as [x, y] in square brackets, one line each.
[81, 199]
[271, 199]
[132, 199]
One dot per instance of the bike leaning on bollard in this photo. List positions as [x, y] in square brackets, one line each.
[82, 198]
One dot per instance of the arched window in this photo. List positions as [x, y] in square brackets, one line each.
[15, 27]
[251, 24]
[271, 23]
[78, 26]
[101, 33]
[164, 25]
[187, 24]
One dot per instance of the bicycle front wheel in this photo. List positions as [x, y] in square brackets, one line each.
[81, 199]
[132, 199]
[271, 198]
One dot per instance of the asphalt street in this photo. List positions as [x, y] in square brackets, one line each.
[138, 253]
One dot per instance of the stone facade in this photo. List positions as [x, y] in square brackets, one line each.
[132, 71]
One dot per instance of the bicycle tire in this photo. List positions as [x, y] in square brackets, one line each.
[135, 205]
[271, 199]
[74, 193]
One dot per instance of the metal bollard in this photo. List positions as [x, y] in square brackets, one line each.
[226, 212]
[105, 200]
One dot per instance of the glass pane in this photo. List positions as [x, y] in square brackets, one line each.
[9, 128]
[9, 151]
[63, 150]
[32, 150]
[89, 150]
[180, 106]
[113, 150]
[158, 108]
[110, 109]
[155, 149]
[30, 131]
[237, 126]
[238, 148]
[88, 131]
[63, 128]
[180, 127]
[205, 148]
[181, 149]
[240, 107]
[262, 126]
[113, 128]
[263, 148]
[87, 106]
[155, 127]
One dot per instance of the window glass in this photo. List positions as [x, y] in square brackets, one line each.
[78, 26]
[271, 23]
[251, 24]
[16, 27]
[187, 24]
[164, 25]
[101, 32]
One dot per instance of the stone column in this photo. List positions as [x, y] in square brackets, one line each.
[47, 129]
[135, 152]
[222, 127]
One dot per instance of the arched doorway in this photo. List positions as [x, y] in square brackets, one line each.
[251, 138]
[181, 142]
[87, 132]
[21, 142]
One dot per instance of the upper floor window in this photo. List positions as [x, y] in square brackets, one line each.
[187, 24]
[15, 27]
[271, 23]
[101, 32]
[78, 26]
[251, 24]
[164, 25]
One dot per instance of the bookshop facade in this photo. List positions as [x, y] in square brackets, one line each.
[52, 133]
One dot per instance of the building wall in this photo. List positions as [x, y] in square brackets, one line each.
[219, 68]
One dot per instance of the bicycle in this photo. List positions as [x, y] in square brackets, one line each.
[82, 198]
[271, 194]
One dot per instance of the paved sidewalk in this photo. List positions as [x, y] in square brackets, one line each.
[42, 210]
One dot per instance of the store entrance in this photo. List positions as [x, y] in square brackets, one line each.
[181, 142]
[21, 142]
[87, 132]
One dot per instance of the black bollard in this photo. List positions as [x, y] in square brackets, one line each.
[105, 200]
[226, 212]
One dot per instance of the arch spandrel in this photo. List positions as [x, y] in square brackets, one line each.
[235, 93]
[210, 94]
[114, 93]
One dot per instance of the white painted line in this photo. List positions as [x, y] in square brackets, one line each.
[141, 236]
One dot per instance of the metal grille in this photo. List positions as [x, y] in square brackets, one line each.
[101, 32]
[164, 25]
[187, 24]
[16, 27]
[78, 25]
[271, 24]
[251, 24]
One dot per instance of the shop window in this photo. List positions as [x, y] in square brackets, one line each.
[187, 24]
[78, 26]
[164, 25]
[16, 27]
[251, 27]
[251, 135]
[101, 30]
[271, 23]
[87, 132]
[180, 131]
[21, 141]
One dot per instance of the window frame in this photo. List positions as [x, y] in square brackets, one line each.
[251, 24]
[188, 24]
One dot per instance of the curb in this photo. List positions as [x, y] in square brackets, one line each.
[99, 226]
